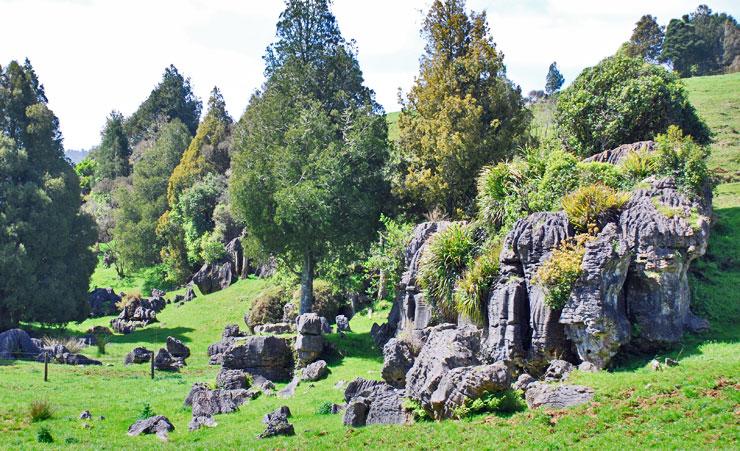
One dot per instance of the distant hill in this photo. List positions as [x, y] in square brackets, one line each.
[75, 156]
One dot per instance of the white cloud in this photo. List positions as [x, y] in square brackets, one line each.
[97, 55]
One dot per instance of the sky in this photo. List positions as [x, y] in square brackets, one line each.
[94, 56]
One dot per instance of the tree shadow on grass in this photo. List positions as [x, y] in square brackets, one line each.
[359, 345]
[153, 334]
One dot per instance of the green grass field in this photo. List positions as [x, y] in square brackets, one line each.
[694, 405]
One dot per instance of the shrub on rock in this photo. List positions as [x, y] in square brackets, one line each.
[267, 307]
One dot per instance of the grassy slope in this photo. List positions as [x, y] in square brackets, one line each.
[694, 405]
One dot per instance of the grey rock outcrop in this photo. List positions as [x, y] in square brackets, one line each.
[60, 354]
[177, 349]
[267, 356]
[164, 361]
[342, 324]
[309, 343]
[189, 294]
[274, 329]
[138, 355]
[289, 390]
[229, 336]
[103, 302]
[444, 350]
[207, 402]
[158, 425]
[373, 402]
[315, 371]
[138, 313]
[17, 344]
[398, 358]
[559, 370]
[212, 277]
[553, 396]
[462, 384]
[523, 382]
[615, 156]
[277, 423]
[232, 379]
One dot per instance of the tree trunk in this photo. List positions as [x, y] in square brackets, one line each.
[307, 284]
[382, 289]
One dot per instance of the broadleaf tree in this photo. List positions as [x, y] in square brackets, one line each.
[311, 148]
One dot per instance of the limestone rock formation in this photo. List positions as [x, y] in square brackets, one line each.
[138, 355]
[559, 370]
[164, 361]
[229, 336]
[17, 344]
[373, 402]
[467, 383]
[398, 358]
[615, 156]
[267, 356]
[277, 423]
[158, 425]
[274, 329]
[103, 302]
[553, 396]
[309, 343]
[232, 379]
[177, 349]
[342, 324]
[138, 313]
[315, 371]
[60, 354]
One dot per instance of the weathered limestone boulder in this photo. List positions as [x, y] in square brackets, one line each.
[158, 425]
[198, 386]
[595, 315]
[309, 343]
[615, 156]
[207, 402]
[267, 269]
[398, 358]
[177, 349]
[373, 402]
[138, 355]
[315, 371]
[274, 329]
[164, 361]
[523, 382]
[60, 354]
[277, 423]
[381, 333]
[325, 326]
[229, 336]
[138, 313]
[232, 379]
[558, 396]
[342, 324]
[444, 350]
[467, 383]
[559, 370]
[212, 277]
[17, 344]
[267, 356]
[199, 422]
[103, 302]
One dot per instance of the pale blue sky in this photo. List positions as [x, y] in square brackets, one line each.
[97, 55]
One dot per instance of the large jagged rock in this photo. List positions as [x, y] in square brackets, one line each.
[277, 423]
[212, 277]
[315, 371]
[229, 336]
[60, 354]
[177, 348]
[398, 358]
[232, 379]
[444, 350]
[17, 344]
[267, 356]
[373, 402]
[657, 293]
[207, 402]
[595, 315]
[310, 342]
[164, 361]
[467, 383]
[137, 356]
[138, 313]
[274, 328]
[103, 302]
[540, 394]
[158, 425]
[615, 156]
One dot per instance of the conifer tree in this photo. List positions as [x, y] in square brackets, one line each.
[112, 156]
[554, 80]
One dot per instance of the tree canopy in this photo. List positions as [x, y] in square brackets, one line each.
[554, 80]
[461, 114]
[45, 241]
[112, 156]
[623, 100]
[311, 147]
[172, 98]
[646, 41]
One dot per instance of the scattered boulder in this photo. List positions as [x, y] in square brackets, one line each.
[232, 379]
[267, 356]
[198, 386]
[309, 324]
[159, 425]
[103, 302]
[60, 354]
[207, 402]
[325, 326]
[277, 423]
[315, 371]
[177, 349]
[274, 329]
[263, 384]
[309, 344]
[17, 344]
[212, 277]
[342, 324]
[373, 402]
[137, 313]
[382, 333]
[588, 367]
[558, 396]
[336, 408]
[559, 370]
[138, 355]
[467, 383]
[189, 294]
[523, 382]
[85, 415]
[202, 421]
[355, 414]
[398, 358]
[229, 336]
[164, 361]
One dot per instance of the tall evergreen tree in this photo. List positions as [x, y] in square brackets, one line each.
[554, 80]
[647, 39]
[461, 114]
[112, 156]
[311, 147]
[45, 241]
[172, 98]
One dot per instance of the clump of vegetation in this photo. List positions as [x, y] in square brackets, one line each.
[558, 274]
[505, 402]
[602, 173]
[502, 194]
[101, 340]
[678, 155]
[623, 100]
[586, 204]
[43, 435]
[443, 263]
[417, 412]
[212, 249]
[328, 301]
[638, 164]
[324, 408]
[146, 411]
[73, 345]
[127, 299]
[559, 178]
[385, 262]
[267, 307]
[40, 410]
[472, 289]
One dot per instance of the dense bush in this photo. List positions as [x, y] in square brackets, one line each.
[212, 248]
[560, 177]
[679, 156]
[505, 402]
[443, 263]
[385, 261]
[43, 435]
[558, 274]
[638, 164]
[502, 195]
[623, 100]
[267, 307]
[472, 289]
[584, 205]
[328, 301]
[606, 174]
